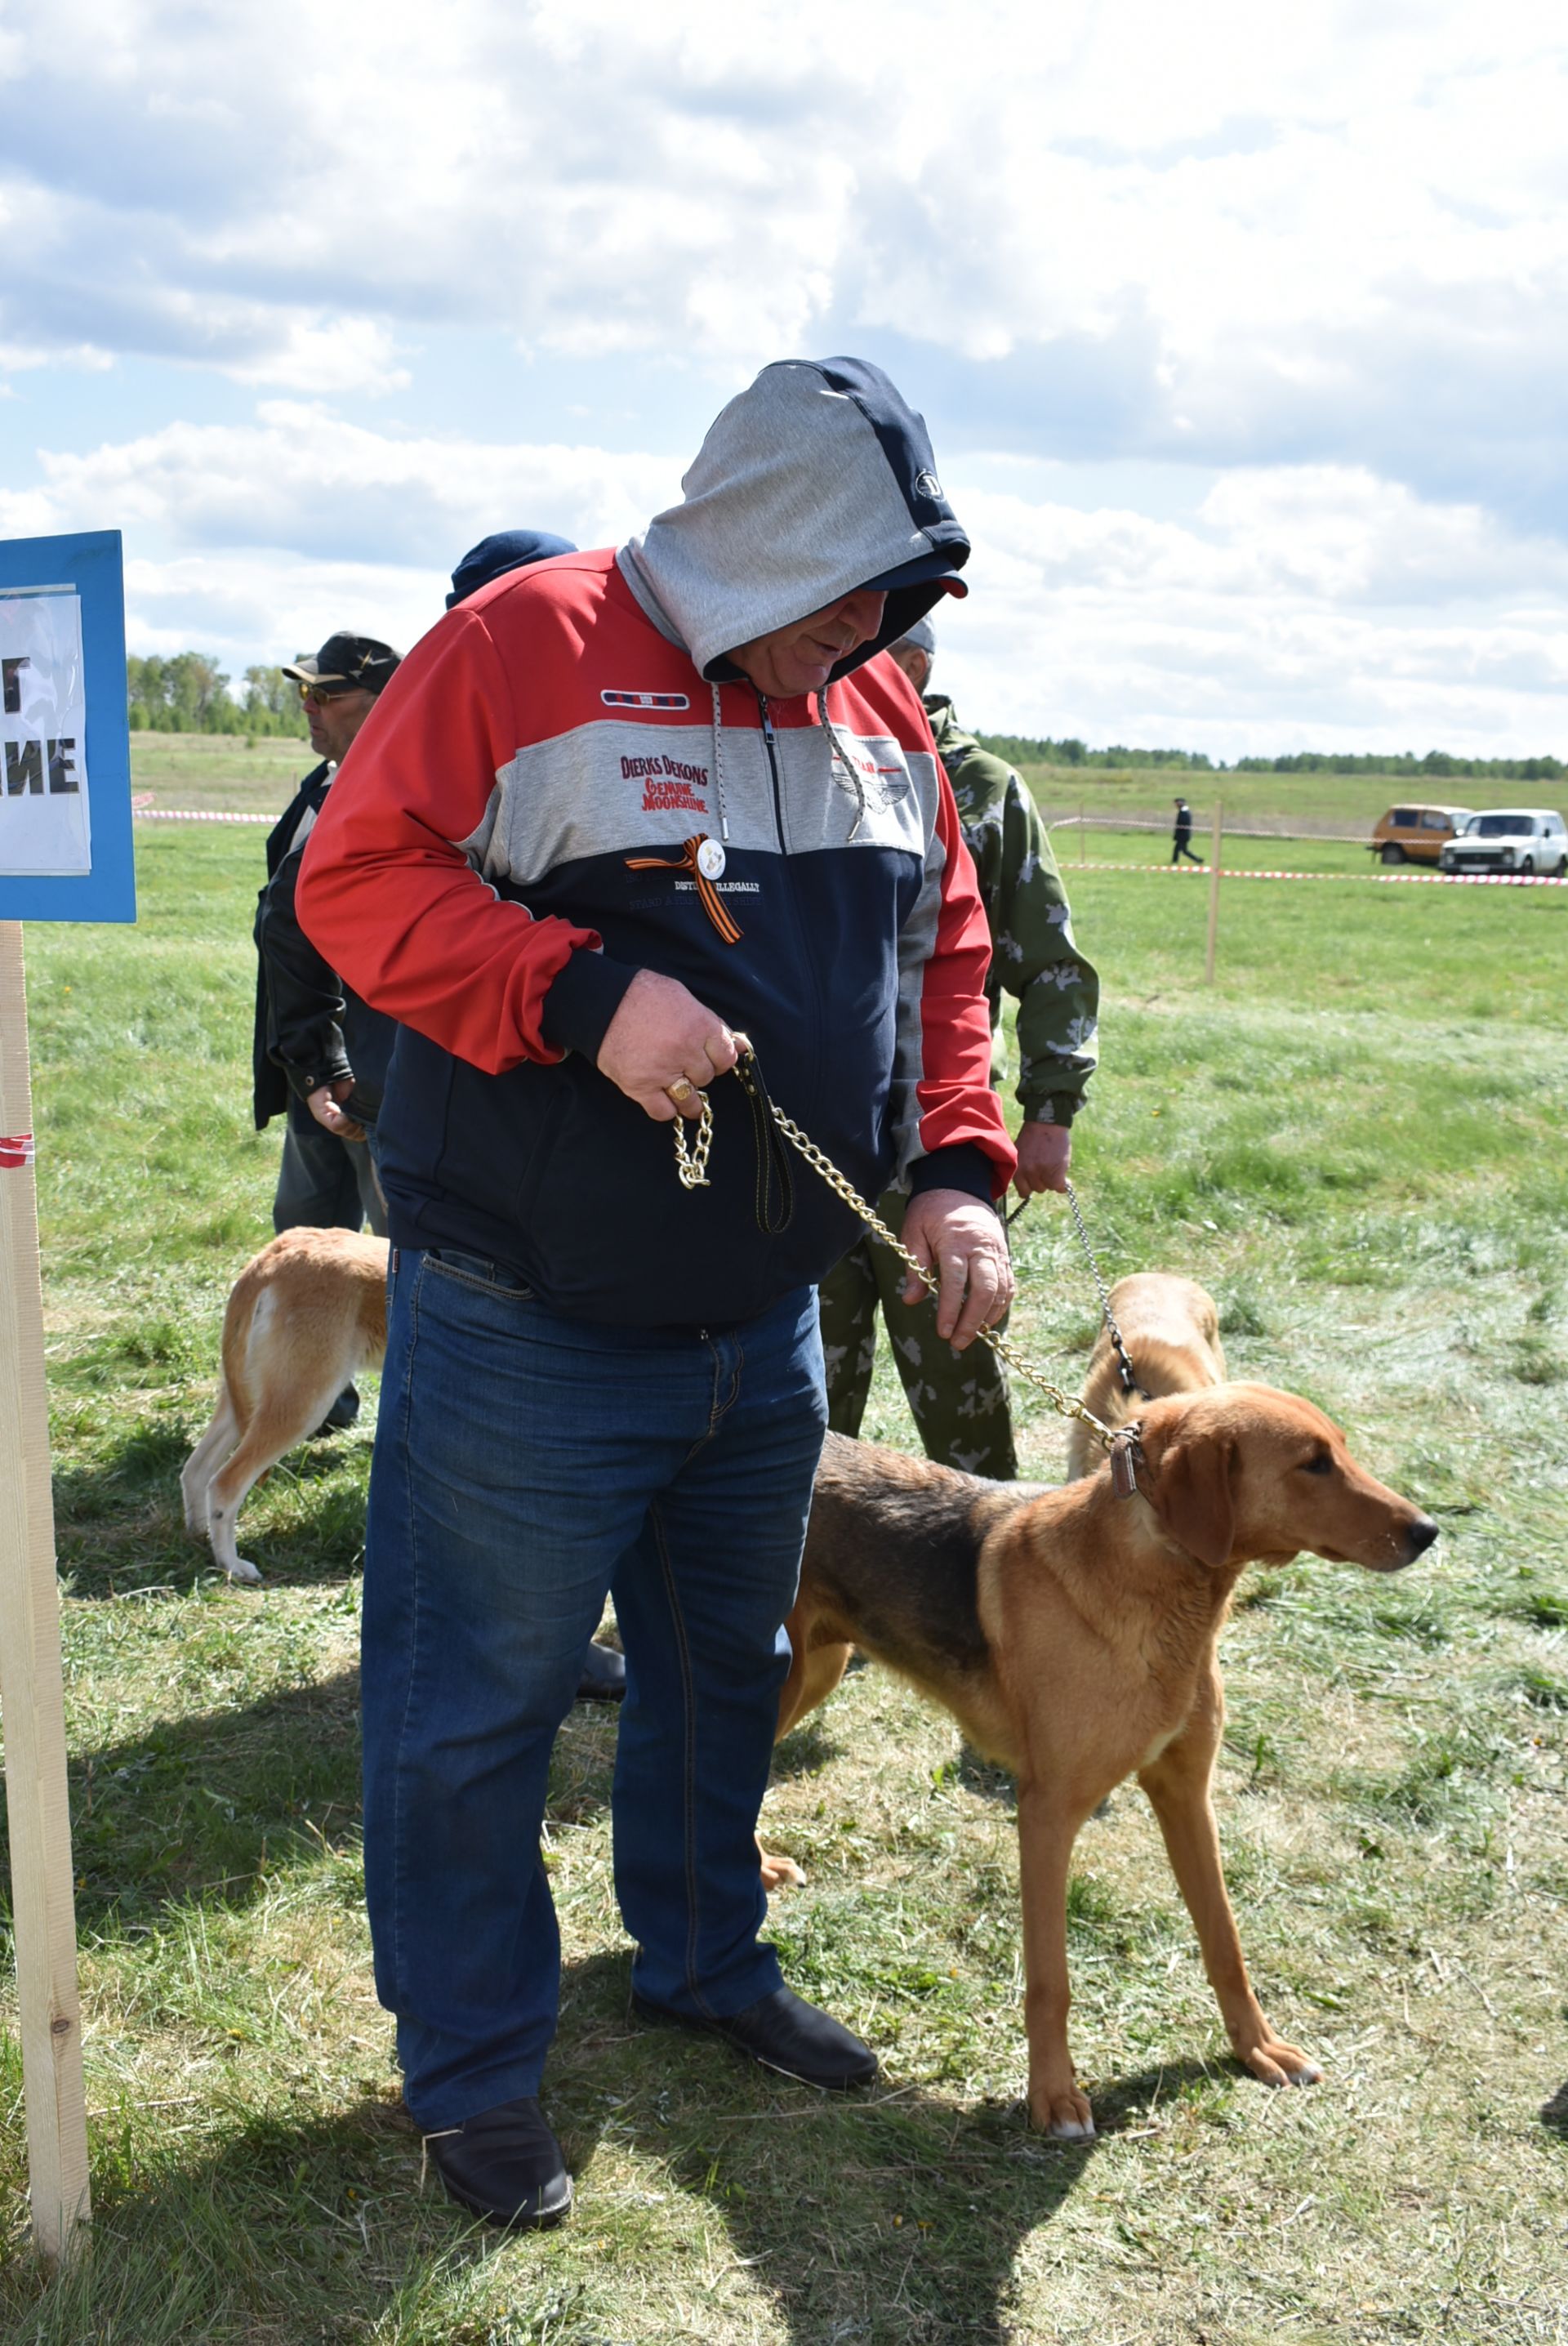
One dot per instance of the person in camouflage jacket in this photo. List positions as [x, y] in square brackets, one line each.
[960, 1400]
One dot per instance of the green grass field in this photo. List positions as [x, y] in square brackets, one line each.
[1355, 1140]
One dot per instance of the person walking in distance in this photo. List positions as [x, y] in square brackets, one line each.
[1181, 834]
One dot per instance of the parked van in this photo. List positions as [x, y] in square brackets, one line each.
[1417, 834]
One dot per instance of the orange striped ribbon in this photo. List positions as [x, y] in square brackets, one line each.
[712, 903]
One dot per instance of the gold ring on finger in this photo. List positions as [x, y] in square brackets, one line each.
[680, 1090]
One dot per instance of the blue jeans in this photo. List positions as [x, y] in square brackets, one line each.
[526, 1463]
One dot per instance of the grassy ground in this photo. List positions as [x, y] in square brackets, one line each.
[1355, 1141]
[254, 775]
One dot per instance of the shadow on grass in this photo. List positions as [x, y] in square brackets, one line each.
[806, 1750]
[1554, 2113]
[290, 2228]
[212, 1807]
[892, 2216]
[897, 2215]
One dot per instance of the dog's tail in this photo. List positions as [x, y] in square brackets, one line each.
[251, 1307]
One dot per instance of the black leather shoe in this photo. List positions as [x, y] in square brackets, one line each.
[603, 1678]
[505, 2164]
[785, 2034]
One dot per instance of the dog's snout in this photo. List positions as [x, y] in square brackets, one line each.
[1421, 1535]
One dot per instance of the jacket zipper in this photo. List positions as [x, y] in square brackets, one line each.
[771, 744]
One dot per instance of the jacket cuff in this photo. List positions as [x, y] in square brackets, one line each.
[964, 1165]
[582, 998]
[1050, 1107]
[304, 1081]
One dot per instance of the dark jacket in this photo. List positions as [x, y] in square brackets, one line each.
[310, 1029]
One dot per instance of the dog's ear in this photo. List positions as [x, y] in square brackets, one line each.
[1191, 1495]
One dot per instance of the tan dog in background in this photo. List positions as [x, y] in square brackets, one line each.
[1072, 1635]
[307, 1314]
[1171, 1329]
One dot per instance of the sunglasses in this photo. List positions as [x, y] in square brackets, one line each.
[322, 693]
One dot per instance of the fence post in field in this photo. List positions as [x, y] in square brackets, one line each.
[1213, 894]
[1083, 834]
[32, 1700]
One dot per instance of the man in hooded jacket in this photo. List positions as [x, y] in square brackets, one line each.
[620, 814]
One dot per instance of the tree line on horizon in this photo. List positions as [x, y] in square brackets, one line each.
[189, 693]
[1021, 749]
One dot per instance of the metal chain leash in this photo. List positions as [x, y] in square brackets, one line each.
[1129, 1375]
[693, 1173]
[691, 1168]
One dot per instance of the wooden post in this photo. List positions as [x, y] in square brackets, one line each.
[1213, 894]
[32, 1698]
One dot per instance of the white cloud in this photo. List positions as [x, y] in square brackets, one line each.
[302, 479]
[1301, 608]
[1344, 240]
[1293, 607]
[1324, 260]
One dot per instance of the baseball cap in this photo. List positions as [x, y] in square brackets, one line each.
[353, 663]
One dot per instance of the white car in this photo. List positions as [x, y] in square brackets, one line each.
[1510, 839]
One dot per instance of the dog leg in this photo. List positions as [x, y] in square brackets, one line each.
[779, 1872]
[279, 1422]
[1046, 1838]
[1177, 1784]
[814, 1672]
[196, 1473]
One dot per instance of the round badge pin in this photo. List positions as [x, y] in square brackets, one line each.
[710, 860]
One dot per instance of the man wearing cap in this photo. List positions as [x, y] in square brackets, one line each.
[319, 1054]
[619, 815]
[958, 1400]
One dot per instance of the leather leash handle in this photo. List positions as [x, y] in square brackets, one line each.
[774, 1180]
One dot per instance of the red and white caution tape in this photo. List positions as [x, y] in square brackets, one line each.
[1384, 879]
[16, 1152]
[194, 814]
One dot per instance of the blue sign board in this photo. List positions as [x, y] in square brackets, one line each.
[65, 851]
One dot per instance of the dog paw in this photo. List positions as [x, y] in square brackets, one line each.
[242, 1569]
[1067, 2117]
[780, 1873]
[1279, 2064]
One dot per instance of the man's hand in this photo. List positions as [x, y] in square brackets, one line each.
[322, 1103]
[964, 1243]
[659, 1036]
[1045, 1156]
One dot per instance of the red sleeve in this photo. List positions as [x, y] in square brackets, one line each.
[386, 893]
[958, 1105]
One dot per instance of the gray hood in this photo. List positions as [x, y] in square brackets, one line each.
[814, 481]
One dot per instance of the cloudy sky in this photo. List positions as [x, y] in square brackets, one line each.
[1241, 333]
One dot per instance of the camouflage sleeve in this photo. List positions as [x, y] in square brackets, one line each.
[1037, 959]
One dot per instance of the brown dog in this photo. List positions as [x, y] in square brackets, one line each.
[1171, 1329]
[1072, 1635]
[306, 1315]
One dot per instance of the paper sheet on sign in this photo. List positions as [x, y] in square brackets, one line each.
[43, 824]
